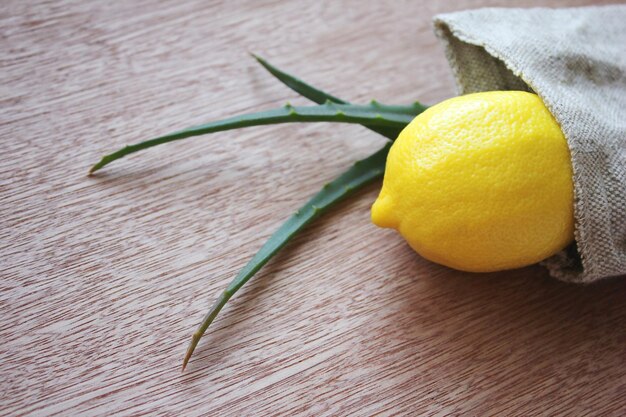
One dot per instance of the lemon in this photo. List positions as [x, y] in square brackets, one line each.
[481, 182]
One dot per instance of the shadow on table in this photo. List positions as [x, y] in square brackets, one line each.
[517, 338]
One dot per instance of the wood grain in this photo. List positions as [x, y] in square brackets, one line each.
[104, 278]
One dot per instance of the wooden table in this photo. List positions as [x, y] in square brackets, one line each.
[105, 278]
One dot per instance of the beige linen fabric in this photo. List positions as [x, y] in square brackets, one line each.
[575, 60]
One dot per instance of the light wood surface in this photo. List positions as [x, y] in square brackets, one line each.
[105, 278]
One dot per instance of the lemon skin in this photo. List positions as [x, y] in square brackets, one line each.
[480, 183]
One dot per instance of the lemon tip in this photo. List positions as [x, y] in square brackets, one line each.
[382, 212]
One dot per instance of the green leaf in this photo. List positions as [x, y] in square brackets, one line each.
[374, 114]
[360, 174]
[318, 96]
[297, 85]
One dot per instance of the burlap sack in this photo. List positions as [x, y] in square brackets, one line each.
[575, 60]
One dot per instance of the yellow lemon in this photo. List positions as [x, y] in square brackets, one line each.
[481, 182]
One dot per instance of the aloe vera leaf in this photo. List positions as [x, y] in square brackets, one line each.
[374, 114]
[358, 175]
[304, 89]
[319, 96]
